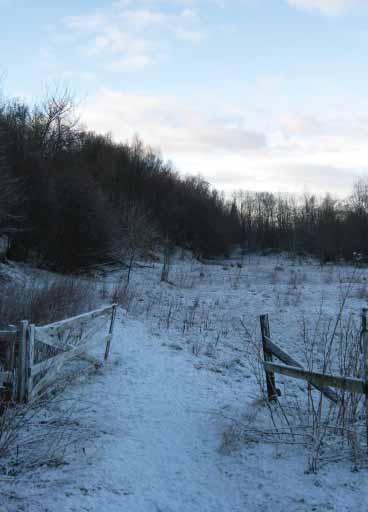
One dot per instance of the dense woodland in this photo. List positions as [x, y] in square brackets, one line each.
[71, 199]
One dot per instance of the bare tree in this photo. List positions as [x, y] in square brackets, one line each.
[53, 122]
[359, 198]
[139, 234]
[9, 198]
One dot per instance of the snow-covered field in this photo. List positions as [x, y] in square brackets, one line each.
[159, 417]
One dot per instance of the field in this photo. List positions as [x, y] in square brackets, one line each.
[177, 420]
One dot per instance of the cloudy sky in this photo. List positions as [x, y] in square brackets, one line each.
[256, 94]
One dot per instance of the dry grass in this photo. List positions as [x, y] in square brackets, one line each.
[329, 431]
[46, 300]
[42, 432]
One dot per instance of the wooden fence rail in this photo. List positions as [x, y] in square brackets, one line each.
[318, 379]
[33, 356]
[322, 382]
[293, 368]
[271, 349]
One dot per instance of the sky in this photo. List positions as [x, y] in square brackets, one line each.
[253, 94]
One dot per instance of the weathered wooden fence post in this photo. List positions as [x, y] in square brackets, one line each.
[111, 331]
[365, 356]
[7, 374]
[21, 361]
[267, 354]
[29, 361]
[10, 387]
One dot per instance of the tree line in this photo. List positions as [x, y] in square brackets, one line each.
[71, 198]
[326, 227]
[79, 199]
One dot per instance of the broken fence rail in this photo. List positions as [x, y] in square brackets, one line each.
[322, 382]
[318, 379]
[292, 368]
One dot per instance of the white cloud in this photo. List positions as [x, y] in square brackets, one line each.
[112, 41]
[318, 146]
[296, 125]
[132, 31]
[252, 172]
[189, 14]
[326, 7]
[194, 36]
[87, 22]
[143, 18]
[132, 63]
[292, 152]
[169, 124]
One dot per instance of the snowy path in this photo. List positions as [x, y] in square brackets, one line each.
[161, 448]
[165, 406]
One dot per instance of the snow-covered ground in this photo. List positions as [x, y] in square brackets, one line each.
[176, 382]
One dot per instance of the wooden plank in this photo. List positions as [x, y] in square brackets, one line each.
[50, 339]
[54, 339]
[44, 365]
[59, 335]
[50, 335]
[75, 320]
[280, 354]
[90, 359]
[29, 361]
[290, 361]
[21, 362]
[111, 332]
[52, 362]
[347, 383]
[267, 354]
[55, 363]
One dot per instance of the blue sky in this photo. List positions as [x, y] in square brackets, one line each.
[256, 94]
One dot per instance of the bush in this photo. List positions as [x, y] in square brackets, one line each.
[46, 300]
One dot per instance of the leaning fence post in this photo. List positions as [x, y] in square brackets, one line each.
[365, 356]
[267, 354]
[29, 361]
[21, 360]
[111, 331]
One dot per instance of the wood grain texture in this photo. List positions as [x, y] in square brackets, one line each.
[288, 360]
[347, 383]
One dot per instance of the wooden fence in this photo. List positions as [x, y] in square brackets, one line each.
[34, 356]
[323, 382]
